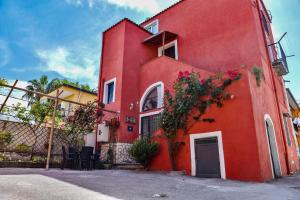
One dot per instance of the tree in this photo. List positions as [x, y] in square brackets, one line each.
[80, 123]
[40, 85]
[2, 81]
[35, 117]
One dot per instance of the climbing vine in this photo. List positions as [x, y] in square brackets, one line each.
[191, 98]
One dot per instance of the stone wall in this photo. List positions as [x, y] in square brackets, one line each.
[120, 152]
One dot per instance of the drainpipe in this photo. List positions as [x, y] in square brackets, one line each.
[275, 93]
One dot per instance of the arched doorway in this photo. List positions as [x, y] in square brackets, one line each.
[275, 163]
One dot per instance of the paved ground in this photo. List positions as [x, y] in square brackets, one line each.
[38, 184]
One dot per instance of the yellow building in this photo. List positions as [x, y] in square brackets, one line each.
[72, 93]
[295, 111]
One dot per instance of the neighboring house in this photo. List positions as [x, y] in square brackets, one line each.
[72, 93]
[251, 137]
[295, 111]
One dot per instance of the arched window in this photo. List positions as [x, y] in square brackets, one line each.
[151, 101]
[152, 98]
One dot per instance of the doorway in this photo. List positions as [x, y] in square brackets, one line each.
[275, 164]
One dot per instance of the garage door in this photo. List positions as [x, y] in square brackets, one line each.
[207, 158]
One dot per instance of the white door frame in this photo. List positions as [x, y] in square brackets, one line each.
[268, 118]
[217, 134]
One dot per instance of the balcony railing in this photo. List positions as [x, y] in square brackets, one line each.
[280, 63]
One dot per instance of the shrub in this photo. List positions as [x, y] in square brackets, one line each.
[23, 148]
[5, 137]
[143, 151]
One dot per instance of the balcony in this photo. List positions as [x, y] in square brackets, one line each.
[280, 64]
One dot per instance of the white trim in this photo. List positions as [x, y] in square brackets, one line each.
[114, 80]
[173, 43]
[160, 95]
[268, 118]
[145, 115]
[217, 134]
[155, 22]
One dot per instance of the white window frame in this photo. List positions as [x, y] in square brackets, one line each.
[194, 137]
[146, 115]
[105, 92]
[160, 95]
[168, 45]
[151, 24]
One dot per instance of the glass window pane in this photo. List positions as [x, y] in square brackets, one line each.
[151, 101]
[110, 92]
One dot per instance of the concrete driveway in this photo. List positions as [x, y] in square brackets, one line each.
[38, 184]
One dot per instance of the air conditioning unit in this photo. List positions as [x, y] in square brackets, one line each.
[103, 133]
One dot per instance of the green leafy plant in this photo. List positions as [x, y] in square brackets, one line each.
[23, 148]
[5, 137]
[39, 159]
[143, 151]
[258, 73]
[80, 123]
[191, 98]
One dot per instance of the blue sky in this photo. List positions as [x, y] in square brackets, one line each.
[62, 38]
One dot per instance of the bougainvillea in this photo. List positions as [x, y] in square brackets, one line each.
[191, 98]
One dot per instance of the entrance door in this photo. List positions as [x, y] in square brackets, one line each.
[207, 158]
[273, 150]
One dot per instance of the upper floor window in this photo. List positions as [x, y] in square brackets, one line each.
[265, 22]
[109, 91]
[152, 27]
[169, 50]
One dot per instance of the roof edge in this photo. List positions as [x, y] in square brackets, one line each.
[128, 20]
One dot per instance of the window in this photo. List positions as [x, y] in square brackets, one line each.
[152, 27]
[285, 119]
[169, 50]
[150, 124]
[153, 99]
[265, 22]
[109, 91]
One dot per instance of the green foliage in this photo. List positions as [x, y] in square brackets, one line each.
[191, 98]
[80, 123]
[24, 148]
[6, 137]
[143, 151]
[43, 85]
[258, 73]
[2, 81]
[37, 114]
[39, 159]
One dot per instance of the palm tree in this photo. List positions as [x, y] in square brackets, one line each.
[41, 85]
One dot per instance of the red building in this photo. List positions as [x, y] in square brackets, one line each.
[251, 138]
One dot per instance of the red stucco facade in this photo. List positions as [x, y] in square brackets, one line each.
[212, 35]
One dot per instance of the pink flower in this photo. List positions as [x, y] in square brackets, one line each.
[202, 82]
[232, 74]
[232, 96]
[180, 75]
[186, 74]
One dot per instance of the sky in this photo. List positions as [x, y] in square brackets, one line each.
[62, 38]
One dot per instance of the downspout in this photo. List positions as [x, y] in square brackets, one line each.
[100, 92]
[275, 93]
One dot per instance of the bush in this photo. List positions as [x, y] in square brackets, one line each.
[5, 137]
[23, 148]
[143, 151]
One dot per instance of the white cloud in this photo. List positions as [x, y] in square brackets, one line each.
[149, 6]
[77, 66]
[4, 53]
